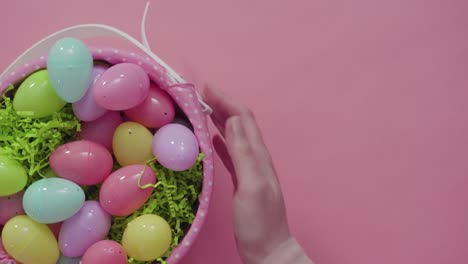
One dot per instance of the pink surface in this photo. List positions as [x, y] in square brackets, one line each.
[362, 103]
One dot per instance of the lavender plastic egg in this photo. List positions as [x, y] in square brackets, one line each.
[175, 147]
[182, 121]
[88, 226]
[86, 108]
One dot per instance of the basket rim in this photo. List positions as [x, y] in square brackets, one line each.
[185, 96]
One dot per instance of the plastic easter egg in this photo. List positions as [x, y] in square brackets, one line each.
[86, 108]
[102, 129]
[147, 237]
[176, 147]
[105, 252]
[88, 226]
[122, 86]
[70, 65]
[29, 241]
[11, 206]
[49, 173]
[55, 228]
[132, 144]
[82, 162]
[155, 111]
[36, 97]
[13, 177]
[184, 122]
[52, 200]
[66, 260]
[7, 259]
[120, 194]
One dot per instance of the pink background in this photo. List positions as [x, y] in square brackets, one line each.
[364, 105]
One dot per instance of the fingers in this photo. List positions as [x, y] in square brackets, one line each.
[244, 152]
[240, 151]
[223, 153]
[219, 125]
[255, 138]
[223, 107]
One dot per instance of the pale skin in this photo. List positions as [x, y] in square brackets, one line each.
[260, 223]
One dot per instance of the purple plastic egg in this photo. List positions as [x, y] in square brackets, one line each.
[121, 87]
[86, 108]
[88, 226]
[11, 206]
[102, 129]
[175, 147]
[183, 121]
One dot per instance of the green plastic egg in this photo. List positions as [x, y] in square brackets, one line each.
[36, 97]
[13, 177]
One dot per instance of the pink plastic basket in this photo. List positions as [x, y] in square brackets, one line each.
[184, 94]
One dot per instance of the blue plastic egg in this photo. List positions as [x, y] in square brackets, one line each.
[70, 64]
[52, 200]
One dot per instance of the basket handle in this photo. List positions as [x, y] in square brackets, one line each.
[84, 31]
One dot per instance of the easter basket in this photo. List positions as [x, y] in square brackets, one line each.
[182, 198]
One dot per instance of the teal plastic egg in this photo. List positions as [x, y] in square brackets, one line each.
[52, 200]
[70, 64]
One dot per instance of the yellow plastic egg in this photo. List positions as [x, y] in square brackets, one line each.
[132, 144]
[147, 237]
[30, 242]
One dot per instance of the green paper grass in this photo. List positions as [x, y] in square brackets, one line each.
[31, 141]
[175, 198]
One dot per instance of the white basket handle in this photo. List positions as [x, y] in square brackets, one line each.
[85, 31]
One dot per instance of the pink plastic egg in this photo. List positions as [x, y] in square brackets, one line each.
[88, 226]
[82, 162]
[102, 129]
[120, 194]
[122, 86]
[86, 108]
[155, 111]
[175, 147]
[11, 206]
[105, 252]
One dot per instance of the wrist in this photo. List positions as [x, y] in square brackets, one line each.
[289, 251]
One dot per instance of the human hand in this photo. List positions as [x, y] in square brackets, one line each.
[260, 222]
